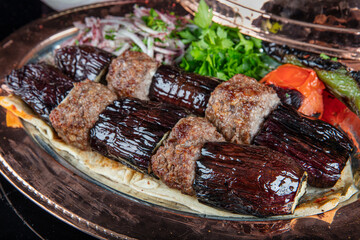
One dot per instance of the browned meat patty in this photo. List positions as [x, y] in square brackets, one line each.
[131, 73]
[174, 161]
[238, 107]
[79, 111]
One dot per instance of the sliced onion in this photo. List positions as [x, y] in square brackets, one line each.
[129, 30]
[145, 28]
[150, 46]
[165, 51]
[133, 37]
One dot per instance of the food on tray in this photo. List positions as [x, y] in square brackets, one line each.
[220, 51]
[239, 106]
[132, 129]
[41, 86]
[174, 161]
[339, 80]
[135, 74]
[83, 62]
[186, 152]
[131, 74]
[147, 30]
[321, 149]
[299, 87]
[73, 118]
[188, 90]
[248, 179]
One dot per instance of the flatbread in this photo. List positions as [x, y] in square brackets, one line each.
[147, 188]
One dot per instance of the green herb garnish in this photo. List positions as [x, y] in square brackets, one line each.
[326, 57]
[110, 36]
[135, 48]
[221, 51]
[154, 22]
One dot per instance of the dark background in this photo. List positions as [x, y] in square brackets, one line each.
[20, 218]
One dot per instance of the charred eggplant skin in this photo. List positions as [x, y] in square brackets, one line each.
[41, 86]
[339, 80]
[281, 52]
[83, 62]
[247, 179]
[320, 148]
[188, 90]
[289, 96]
[130, 129]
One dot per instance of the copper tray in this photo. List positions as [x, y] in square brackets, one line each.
[53, 184]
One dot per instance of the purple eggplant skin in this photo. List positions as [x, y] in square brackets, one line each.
[289, 96]
[320, 148]
[130, 129]
[41, 86]
[83, 62]
[188, 90]
[247, 179]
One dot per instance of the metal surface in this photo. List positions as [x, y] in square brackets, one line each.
[104, 213]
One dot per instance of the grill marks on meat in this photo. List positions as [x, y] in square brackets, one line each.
[41, 86]
[129, 130]
[239, 106]
[83, 62]
[321, 149]
[130, 74]
[248, 179]
[174, 161]
[79, 111]
[188, 90]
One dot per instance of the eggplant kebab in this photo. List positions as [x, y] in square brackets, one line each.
[232, 145]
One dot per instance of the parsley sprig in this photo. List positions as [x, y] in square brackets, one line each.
[220, 51]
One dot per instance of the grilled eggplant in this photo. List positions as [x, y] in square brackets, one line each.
[135, 74]
[289, 96]
[188, 90]
[129, 130]
[248, 179]
[83, 62]
[340, 81]
[321, 149]
[41, 86]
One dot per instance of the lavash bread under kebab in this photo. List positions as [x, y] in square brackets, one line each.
[61, 120]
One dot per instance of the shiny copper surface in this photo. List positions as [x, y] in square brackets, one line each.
[92, 207]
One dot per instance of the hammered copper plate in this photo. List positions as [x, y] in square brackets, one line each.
[93, 208]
